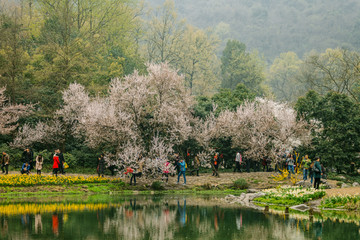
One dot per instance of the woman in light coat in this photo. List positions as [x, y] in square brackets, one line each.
[39, 164]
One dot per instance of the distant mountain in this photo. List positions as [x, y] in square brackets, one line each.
[276, 26]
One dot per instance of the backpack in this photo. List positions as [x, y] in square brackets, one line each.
[315, 169]
[312, 165]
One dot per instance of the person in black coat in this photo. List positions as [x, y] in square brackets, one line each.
[28, 157]
[101, 165]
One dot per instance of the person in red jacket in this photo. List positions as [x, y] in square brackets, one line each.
[56, 164]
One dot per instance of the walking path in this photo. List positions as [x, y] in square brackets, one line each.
[353, 191]
[258, 180]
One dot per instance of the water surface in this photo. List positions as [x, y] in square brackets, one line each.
[160, 217]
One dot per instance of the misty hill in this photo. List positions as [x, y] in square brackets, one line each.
[276, 26]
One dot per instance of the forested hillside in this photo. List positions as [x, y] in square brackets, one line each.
[276, 26]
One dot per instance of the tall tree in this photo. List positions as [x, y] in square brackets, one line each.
[337, 140]
[239, 66]
[334, 70]
[163, 35]
[13, 57]
[85, 41]
[283, 77]
[198, 62]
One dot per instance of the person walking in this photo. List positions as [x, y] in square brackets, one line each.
[197, 164]
[56, 164]
[129, 171]
[61, 161]
[317, 173]
[101, 165]
[290, 162]
[238, 161]
[215, 164]
[39, 160]
[176, 162]
[306, 164]
[5, 160]
[264, 163]
[182, 172]
[138, 173]
[311, 172]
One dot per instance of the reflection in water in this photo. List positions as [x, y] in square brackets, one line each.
[162, 218]
[141, 221]
[38, 224]
[182, 211]
[239, 222]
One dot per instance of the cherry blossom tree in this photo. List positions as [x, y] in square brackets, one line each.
[141, 116]
[50, 132]
[11, 113]
[262, 127]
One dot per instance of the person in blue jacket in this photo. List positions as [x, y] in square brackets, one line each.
[182, 166]
[25, 168]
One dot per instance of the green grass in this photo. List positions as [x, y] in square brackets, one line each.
[346, 202]
[278, 201]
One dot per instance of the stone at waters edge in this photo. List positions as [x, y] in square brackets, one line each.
[344, 185]
[355, 184]
[301, 207]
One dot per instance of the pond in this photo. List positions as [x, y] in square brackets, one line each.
[159, 217]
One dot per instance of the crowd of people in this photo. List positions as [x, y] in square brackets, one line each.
[291, 161]
[29, 164]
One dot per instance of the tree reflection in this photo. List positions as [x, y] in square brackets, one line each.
[138, 222]
[160, 218]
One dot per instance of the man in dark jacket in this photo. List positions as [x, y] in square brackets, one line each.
[62, 160]
[317, 173]
[28, 157]
[101, 165]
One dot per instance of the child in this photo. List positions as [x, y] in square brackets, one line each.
[130, 171]
[39, 163]
[166, 171]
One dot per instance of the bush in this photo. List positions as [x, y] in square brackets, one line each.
[339, 184]
[207, 186]
[241, 184]
[157, 185]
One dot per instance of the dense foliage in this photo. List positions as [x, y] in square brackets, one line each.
[119, 77]
[337, 140]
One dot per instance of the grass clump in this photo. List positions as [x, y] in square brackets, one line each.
[157, 186]
[241, 183]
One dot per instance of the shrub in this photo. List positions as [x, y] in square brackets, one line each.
[157, 185]
[339, 184]
[70, 160]
[241, 184]
[207, 186]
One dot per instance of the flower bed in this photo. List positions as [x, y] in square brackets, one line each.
[346, 202]
[287, 195]
[33, 180]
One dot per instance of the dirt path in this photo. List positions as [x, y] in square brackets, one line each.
[258, 180]
[255, 179]
[353, 191]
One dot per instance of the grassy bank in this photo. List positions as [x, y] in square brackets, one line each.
[289, 196]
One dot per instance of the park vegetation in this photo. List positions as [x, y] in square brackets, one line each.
[114, 76]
